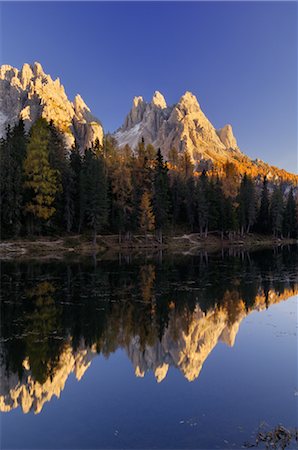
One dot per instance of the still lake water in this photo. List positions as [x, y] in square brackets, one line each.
[167, 351]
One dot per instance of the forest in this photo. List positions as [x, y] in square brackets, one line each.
[47, 189]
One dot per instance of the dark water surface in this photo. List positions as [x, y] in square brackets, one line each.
[164, 351]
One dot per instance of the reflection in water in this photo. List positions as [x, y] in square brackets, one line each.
[56, 317]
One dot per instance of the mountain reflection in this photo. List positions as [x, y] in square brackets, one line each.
[57, 316]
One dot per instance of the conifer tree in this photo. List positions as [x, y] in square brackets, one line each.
[40, 178]
[93, 185]
[189, 193]
[121, 187]
[161, 201]
[247, 204]
[185, 165]
[202, 203]
[276, 211]
[59, 161]
[290, 216]
[230, 216]
[75, 161]
[263, 222]
[12, 154]
[147, 219]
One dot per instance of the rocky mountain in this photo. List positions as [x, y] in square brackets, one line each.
[186, 348]
[185, 127]
[29, 93]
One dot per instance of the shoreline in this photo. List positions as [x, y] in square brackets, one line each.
[77, 245]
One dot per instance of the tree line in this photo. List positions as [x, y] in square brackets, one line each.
[48, 189]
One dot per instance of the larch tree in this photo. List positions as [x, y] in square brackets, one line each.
[121, 187]
[147, 219]
[40, 178]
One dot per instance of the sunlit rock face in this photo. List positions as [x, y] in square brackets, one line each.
[31, 395]
[29, 93]
[183, 126]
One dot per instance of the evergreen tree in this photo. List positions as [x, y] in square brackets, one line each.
[247, 204]
[290, 216]
[188, 190]
[121, 188]
[40, 177]
[93, 196]
[202, 203]
[216, 206]
[147, 219]
[178, 201]
[276, 211]
[185, 165]
[161, 202]
[75, 161]
[12, 154]
[69, 197]
[230, 216]
[263, 222]
[59, 161]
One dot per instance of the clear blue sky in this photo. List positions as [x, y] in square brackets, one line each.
[239, 59]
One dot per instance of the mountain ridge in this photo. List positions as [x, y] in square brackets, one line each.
[30, 93]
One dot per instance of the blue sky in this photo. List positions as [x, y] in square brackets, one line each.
[239, 59]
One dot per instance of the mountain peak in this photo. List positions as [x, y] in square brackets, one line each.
[158, 100]
[79, 104]
[137, 101]
[37, 69]
[189, 98]
[30, 93]
[227, 137]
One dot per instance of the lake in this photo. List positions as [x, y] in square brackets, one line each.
[148, 351]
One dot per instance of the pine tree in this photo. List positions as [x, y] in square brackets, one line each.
[247, 204]
[276, 211]
[216, 205]
[177, 199]
[68, 197]
[40, 178]
[75, 161]
[121, 187]
[188, 189]
[230, 216]
[59, 161]
[12, 154]
[185, 165]
[263, 222]
[161, 200]
[93, 196]
[202, 203]
[290, 216]
[147, 219]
